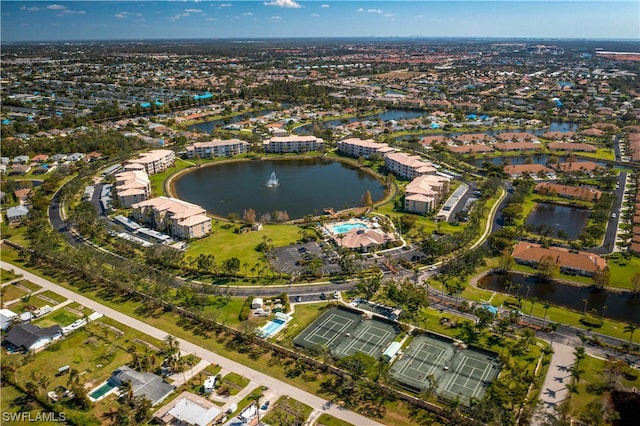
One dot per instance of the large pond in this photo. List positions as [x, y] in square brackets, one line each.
[550, 218]
[209, 126]
[392, 114]
[619, 306]
[304, 187]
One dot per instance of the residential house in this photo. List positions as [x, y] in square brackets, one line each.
[563, 146]
[534, 170]
[579, 166]
[40, 158]
[28, 337]
[17, 213]
[21, 159]
[189, 409]
[147, 385]
[7, 318]
[23, 195]
[19, 169]
[568, 191]
[217, 148]
[569, 262]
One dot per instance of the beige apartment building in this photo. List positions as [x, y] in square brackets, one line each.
[156, 161]
[424, 193]
[409, 167]
[217, 148]
[355, 147]
[174, 217]
[292, 143]
[132, 186]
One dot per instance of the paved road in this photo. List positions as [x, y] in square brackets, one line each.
[609, 242]
[260, 378]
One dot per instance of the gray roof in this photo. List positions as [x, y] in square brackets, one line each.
[146, 384]
[26, 335]
[17, 211]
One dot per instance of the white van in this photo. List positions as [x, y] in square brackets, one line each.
[43, 311]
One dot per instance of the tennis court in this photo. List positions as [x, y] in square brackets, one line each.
[455, 372]
[371, 337]
[329, 328]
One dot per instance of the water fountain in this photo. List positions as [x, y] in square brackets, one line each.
[273, 180]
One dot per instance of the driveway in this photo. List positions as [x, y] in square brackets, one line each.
[255, 376]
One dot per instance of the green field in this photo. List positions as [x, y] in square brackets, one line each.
[288, 411]
[7, 275]
[225, 243]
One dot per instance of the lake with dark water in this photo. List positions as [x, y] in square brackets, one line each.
[392, 114]
[305, 187]
[558, 217]
[619, 306]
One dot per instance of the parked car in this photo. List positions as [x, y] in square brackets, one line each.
[265, 406]
[323, 296]
[298, 299]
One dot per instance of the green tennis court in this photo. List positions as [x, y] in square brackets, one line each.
[371, 337]
[329, 328]
[429, 361]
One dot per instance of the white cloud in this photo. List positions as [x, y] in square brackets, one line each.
[56, 7]
[315, 15]
[247, 14]
[360, 10]
[324, 5]
[374, 10]
[389, 15]
[72, 12]
[224, 5]
[276, 18]
[193, 10]
[121, 15]
[211, 19]
[283, 3]
[30, 9]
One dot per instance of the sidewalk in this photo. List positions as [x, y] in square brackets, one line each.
[554, 389]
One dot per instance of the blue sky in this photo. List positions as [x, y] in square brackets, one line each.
[106, 20]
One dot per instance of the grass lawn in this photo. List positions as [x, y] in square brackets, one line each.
[327, 420]
[224, 243]
[31, 286]
[289, 409]
[227, 313]
[592, 374]
[48, 295]
[235, 382]
[12, 292]
[304, 315]
[14, 233]
[7, 275]
[21, 306]
[64, 318]
[157, 180]
[622, 271]
[13, 400]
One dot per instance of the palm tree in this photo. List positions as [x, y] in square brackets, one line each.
[630, 328]
[546, 307]
[256, 398]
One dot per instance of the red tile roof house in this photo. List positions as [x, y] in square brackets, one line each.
[561, 146]
[568, 191]
[516, 170]
[580, 263]
[578, 166]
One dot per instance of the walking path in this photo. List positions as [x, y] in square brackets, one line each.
[255, 376]
[554, 389]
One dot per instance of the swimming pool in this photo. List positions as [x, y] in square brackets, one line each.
[343, 228]
[272, 327]
[101, 391]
